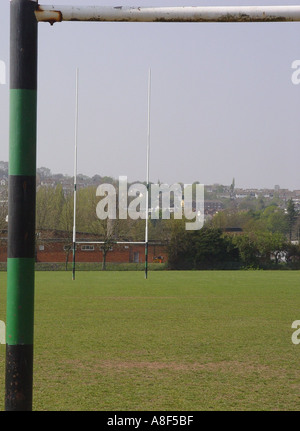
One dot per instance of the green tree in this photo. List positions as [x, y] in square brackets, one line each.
[179, 250]
[64, 210]
[212, 249]
[293, 254]
[274, 220]
[44, 207]
[270, 245]
[207, 248]
[248, 249]
[3, 209]
[230, 218]
[258, 249]
[291, 216]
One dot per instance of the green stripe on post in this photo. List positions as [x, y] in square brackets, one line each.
[20, 301]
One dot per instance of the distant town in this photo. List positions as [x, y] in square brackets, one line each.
[217, 196]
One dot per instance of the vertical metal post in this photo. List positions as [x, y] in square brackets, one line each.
[75, 177]
[147, 179]
[21, 210]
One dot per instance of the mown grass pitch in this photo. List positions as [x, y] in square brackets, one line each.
[200, 340]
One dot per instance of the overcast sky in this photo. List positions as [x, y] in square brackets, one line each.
[223, 102]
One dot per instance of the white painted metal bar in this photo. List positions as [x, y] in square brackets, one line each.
[52, 13]
[111, 243]
[148, 154]
[75, 175]
[147, 176]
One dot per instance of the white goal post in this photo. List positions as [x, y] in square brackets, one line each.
[59, 13]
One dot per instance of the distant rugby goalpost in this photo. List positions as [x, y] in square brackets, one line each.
[146, 241]
[24, 18]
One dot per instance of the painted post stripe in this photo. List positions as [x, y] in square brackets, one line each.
[19, 378]
[20, 301]
[21, 217]
[22, 140]
[23, 45]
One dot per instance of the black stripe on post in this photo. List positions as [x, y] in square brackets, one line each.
[19, 360]
[23, 44]
[21, 216]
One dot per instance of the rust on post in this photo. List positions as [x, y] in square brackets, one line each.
[48, 16]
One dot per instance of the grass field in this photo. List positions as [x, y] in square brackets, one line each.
[201, 340]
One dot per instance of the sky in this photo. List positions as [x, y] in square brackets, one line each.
[223, 104]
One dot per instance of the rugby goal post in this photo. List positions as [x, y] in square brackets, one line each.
[24, 18]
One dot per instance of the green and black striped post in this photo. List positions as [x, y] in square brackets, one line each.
[21, 210]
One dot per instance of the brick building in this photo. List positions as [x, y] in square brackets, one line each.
[56, 246]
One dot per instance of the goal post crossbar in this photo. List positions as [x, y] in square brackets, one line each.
[59, 13]
[110, 242]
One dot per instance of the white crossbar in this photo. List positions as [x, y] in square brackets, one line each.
[110, 243]
[54, 14]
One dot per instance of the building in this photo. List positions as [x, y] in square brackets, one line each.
[211, 207]
[53, 246]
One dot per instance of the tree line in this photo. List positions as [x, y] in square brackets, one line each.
[235, 239]
[55, 209]
[264, 237]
